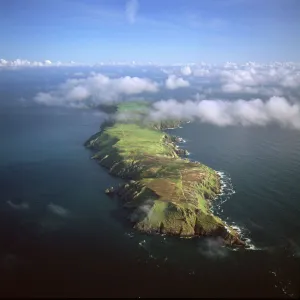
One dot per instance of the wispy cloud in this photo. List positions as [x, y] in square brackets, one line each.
[212, 248]
[58, 210]
[143, 211]
[132, 7]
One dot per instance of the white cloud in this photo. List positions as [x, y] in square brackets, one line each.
[26, 63]
[201, 72]
[132, 7]
[174, 82]
[276, 110]
[259, 79]
[186, 71]
[96, 89]
[78, 93]
[3, 62]
[263, 80]
[230, 79]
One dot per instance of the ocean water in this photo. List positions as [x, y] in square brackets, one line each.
[62, 236]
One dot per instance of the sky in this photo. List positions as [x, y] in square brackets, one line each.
[160, 31]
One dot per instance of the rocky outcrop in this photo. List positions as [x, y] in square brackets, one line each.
[162, 217]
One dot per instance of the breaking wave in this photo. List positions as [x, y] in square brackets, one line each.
[227, 190]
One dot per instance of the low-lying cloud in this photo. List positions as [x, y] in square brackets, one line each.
[94, 90]
[174, 82]
[58, 210]
[18, 206]
[27, 63]
[255, 94]
[213, 248]
[257, 79]
[142, 211]
[263, 80]
[276, 110]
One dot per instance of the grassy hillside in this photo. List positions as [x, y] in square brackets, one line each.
[165, 193]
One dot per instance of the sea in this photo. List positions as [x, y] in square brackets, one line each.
[61, 236]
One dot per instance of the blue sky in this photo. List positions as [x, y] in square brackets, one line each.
[163, 31]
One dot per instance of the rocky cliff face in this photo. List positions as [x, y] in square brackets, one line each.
[150, 215]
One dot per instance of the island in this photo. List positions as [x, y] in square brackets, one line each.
[164, 192]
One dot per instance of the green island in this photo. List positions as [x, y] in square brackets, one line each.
[164, 192]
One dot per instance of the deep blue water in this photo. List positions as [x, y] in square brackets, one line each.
[61, 236]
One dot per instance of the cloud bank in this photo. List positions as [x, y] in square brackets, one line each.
[255, 94]
[274, 79]
[132, 7]
[26, 63]
[276, 110]
[257, 79]
[95, 89]
[174, 82]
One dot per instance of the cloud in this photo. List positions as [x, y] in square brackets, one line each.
[142, 211]
[276, 110]
[228, 80]
[132, 7]
[47, 62]
[58, 210]
[246, 80]
[26, 63]
[201, 72]
[213, 248]
[265, 80]
[253, 78]
[18, 206]
[174, 82]
[186, 71]
[95, 89]
[17, 63]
